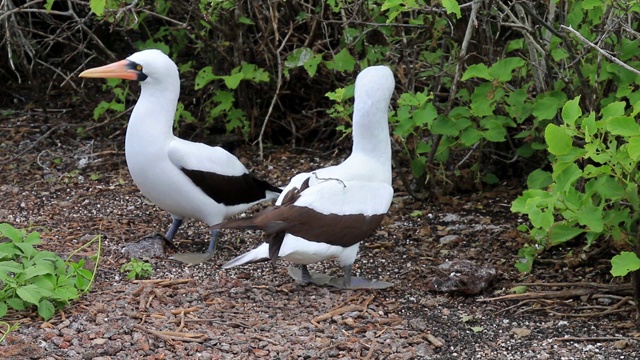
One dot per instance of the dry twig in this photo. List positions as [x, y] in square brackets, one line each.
[172, 335]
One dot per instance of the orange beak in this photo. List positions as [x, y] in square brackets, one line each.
[118, 70]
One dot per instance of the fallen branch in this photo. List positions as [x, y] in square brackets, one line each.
[172, 335]
[340, 311]
[594, 338]
[163, 282]
[582, 288]
[561, 294]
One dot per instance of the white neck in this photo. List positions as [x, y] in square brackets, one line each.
[152, 117]
[371, 130]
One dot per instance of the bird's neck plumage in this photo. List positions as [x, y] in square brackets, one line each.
[371, 131]
[152, 117]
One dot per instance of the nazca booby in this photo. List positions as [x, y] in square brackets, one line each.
[186, 179]
[327, 212]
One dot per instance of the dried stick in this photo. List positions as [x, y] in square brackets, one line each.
[456, 77]
[172, 335]
[602, 51]
[595, 338]
[275, 95]
[315, 321]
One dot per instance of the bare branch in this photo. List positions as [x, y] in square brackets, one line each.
[600, 50]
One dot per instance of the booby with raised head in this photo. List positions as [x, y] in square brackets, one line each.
[327, 212]
[186, 179]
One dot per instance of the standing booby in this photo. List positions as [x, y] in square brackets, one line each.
[327, 212]
[187, 179]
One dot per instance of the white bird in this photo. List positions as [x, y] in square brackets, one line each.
[326, 213]
[186, 179]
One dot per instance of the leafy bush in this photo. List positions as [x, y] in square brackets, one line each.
[593, 188]
[31, 277]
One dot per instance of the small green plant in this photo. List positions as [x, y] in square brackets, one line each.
[137, 269]
[31, 277]
[9, 328]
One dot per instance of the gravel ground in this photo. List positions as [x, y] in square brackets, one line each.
[78, 188]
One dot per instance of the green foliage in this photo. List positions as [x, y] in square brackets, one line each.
[592, 190]
[117, 104]
[221, 104]
[31, 277]
[137, 269]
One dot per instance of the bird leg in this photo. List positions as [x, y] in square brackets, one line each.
[214, 241]
[173, 229]
[347, 275]
[199, 258]
[306, 276]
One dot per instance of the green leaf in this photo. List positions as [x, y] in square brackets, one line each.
[48, 5]
[41, 268]
[482, 100]
[97, 6]
[46, 309]
[624, 263]
[503, 69]
[3, 309]
[444, 126]
[490, 178]
[546, 108]
[516, 44]
[565, 175]
[205, 76]
[245, 20]
[12, 233]
[623, 125]
[558, 53]
[558, 140]
[418, 165]
[633, 148]
[342, 61]
[8, 251]
[312, 65]
[33, 238]
[16, 303]
[452, 7]
[27, 249]
[470, 136]
[29, 293]
[613, 110]
[539, 218]
[66, 293]
[539, 179]
[298, 57]
[10, 267]
[571, 111]
[496, 129]
[562, 232]
[232, 81]
[477, 71]
[590, 216]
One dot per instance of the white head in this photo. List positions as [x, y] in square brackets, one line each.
[148, 66]
[375, 83]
